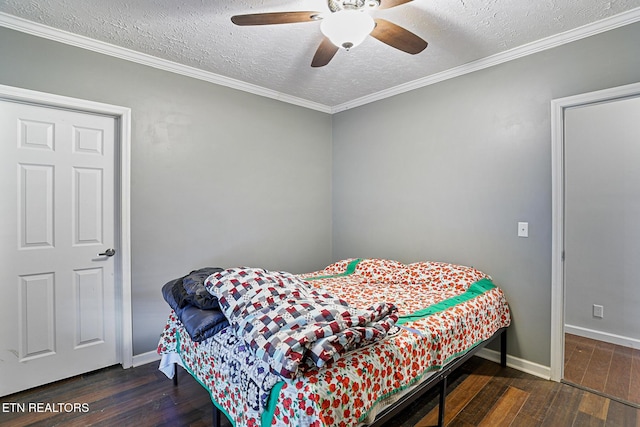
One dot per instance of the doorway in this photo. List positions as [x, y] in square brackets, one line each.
[591, 269]
[67, 294]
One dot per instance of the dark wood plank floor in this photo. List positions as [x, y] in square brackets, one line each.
[606, 368]
[481, 393]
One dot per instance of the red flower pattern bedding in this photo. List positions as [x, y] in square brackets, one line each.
[444, 310]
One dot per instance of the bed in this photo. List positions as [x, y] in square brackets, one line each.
[436, 316]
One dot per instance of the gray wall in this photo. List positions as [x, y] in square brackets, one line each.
[447, 171]
[602, 218]
[441, 173]
[219, 177]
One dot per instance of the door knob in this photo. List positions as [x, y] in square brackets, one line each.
[108, 252]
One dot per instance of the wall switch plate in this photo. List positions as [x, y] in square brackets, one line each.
[598, 311]
[523, 229]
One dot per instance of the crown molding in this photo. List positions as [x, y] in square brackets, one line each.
[40, 30]
[588, 30]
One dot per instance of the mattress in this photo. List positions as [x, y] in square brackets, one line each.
[444, 311]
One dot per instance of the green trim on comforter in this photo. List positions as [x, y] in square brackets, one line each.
[476, 289]
[351, 268]
[268, 413]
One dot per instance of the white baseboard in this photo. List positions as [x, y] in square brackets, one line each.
[517, 363]
[602, 336]
[144, 358]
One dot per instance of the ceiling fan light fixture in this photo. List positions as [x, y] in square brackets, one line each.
[347, 28]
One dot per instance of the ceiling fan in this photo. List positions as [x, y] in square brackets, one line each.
[346, 26]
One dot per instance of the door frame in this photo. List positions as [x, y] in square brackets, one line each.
[122, 172]
[558, 107]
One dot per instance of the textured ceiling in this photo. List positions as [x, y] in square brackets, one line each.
[199, 34]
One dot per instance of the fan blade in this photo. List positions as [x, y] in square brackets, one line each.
[275, 18]
[396, 36]
[388, 4]
[326, 51]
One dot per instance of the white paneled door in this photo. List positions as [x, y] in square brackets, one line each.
[57, 312]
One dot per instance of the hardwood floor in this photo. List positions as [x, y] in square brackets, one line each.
[484, 394]
[606, 368]
[141, 396]
[481, 393]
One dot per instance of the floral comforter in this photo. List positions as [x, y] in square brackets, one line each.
[444, 309]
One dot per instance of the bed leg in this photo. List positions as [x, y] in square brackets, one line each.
[175, 374]
[216, 416]
[443, 396]
[503, 349]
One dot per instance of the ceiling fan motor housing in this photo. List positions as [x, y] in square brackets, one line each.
[338, 5]
[345, 27]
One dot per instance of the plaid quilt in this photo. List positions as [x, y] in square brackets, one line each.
[290, 324]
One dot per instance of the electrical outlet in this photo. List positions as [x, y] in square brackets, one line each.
[598, 311]
[523, 229]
